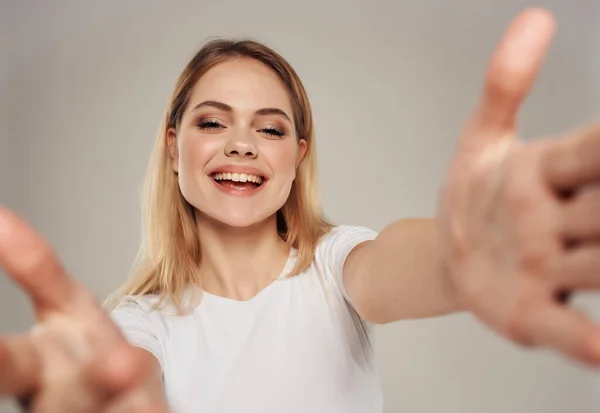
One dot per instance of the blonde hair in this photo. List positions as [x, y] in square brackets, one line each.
[168, 259]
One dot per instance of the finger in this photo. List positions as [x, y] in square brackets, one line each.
[573, 160]
[117, 372]
[32, 264]
[577, 269]
[511, 72]
[565, 330]
[133, 383]
[580, 221]
[138, 408]
[20, 366]
[93, 387]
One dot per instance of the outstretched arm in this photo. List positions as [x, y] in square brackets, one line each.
[401, 274]
[517, 222]
[75, 359]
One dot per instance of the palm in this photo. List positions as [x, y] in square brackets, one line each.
[496, 215]
[503, 220]
[75, 358]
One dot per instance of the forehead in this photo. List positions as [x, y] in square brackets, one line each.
[243, 84]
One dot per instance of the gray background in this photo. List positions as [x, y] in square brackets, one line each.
[84, 83]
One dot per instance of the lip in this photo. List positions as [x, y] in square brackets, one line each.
[239, 169]
[237, 192]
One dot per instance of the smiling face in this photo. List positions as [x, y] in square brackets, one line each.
[236, 150]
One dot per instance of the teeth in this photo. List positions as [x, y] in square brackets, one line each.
[235, 177]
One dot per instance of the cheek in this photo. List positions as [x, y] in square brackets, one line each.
[283, 159]
[195, 152]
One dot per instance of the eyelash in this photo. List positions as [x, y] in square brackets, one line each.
[211, 124]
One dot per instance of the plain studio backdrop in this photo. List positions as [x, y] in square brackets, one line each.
[83, 87]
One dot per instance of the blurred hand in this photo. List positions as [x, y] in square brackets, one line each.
[74, 359]
[521, 221]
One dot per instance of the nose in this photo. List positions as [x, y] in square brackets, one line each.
[241, 147]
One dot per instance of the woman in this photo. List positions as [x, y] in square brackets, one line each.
[247, 299]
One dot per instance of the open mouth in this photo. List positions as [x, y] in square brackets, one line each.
[240, 182]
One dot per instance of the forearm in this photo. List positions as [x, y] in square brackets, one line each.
[403, 275]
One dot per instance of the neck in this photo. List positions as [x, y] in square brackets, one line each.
[238, 263]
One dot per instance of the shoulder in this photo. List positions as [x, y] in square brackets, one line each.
[141, 323]
[337, 245]
[336, 255]
[343, 238]
[145, 311]
[140, 305]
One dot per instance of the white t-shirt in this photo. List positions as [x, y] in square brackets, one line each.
[296, 347]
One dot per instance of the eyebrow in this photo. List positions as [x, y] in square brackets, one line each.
[226, 108]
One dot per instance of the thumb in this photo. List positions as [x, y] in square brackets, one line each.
[512, 70]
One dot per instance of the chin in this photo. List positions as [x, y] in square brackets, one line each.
[239, 219]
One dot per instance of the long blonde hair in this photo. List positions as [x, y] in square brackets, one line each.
[169, 256]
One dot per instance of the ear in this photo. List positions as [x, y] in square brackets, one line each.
[172, 147]
[302, 147]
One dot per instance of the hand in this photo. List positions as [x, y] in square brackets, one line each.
[519, 221]
[75, 359]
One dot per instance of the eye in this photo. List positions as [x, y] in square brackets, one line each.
[273, 131]
[210, 124]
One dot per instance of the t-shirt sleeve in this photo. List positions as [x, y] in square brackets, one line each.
[337, 245]
[138, 328]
